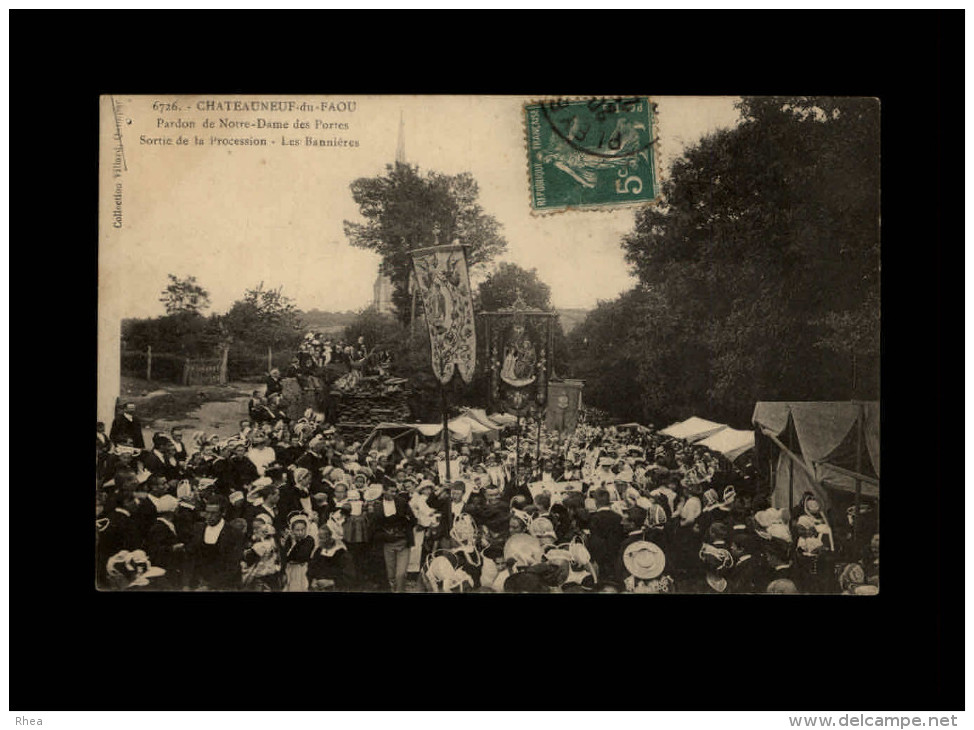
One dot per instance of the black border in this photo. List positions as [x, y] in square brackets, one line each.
[72, 649]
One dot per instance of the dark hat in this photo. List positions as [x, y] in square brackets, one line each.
[492, 552]
[275, 468]
[637, 515]
[525, 582]
[718, 532]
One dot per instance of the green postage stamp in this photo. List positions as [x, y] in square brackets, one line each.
[594, 153]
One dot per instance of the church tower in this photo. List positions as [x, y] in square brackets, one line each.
[382, 288]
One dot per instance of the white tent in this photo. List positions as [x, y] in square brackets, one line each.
[730, 442]
[693, 429]
[503, 419]
[480, 415]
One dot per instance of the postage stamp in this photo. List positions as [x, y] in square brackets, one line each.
[591, 153]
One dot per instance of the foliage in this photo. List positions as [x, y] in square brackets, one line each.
[379, 329]
[405, 211]
[184, 333]
[760, 273]
[184, 296]
[165, 368]
[499, 290]
[264, 318]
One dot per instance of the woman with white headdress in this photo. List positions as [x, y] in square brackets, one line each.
[296, 552]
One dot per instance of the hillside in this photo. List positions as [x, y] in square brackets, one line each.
[571, 318]
[330, 323]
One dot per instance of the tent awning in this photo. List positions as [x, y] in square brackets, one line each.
[504, 419]
[693, 429]
[480, 416]
[730, 442]
[826, 432]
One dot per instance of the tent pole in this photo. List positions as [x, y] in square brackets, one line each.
[537, 451]
[855, 516]
[517, 450]
[791, 467]
[446, 431]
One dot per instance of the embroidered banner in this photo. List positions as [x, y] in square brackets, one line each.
[441, 275]
[564, 402]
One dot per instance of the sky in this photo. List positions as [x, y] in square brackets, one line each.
[235, 217]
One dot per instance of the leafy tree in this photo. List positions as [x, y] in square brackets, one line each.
[378, 329]
[761, 266]
[184, 333]
[184, 295]
[501, 287]
[405, 210]
[264, 318]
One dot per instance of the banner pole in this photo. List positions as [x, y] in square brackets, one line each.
[446, 431]
[517, 450]
[537, 452]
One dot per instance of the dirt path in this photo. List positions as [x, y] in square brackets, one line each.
[213, 409]
[219, 417]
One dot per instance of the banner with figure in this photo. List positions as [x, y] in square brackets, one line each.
[441, 275]
[564, 402]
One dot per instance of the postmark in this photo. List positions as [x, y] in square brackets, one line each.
[592, 153]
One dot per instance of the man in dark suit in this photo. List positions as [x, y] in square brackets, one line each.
[235, 473]
[313, 460]
[779, 556]
[147, 511]
[215, 550]
[127, 426]
[162, 458]
[273, 383]
[116, 531]
[163, 545]
[750, 572]
[607, 535]
[179, 448]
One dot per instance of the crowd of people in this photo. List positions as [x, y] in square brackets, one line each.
[291, 506]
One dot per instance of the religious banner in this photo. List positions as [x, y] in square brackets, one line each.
[519, 342]
[564, 403]
[441, 276]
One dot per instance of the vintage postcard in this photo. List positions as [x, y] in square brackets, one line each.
[507, 344]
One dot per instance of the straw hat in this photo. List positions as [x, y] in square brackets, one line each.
[372, 492]
[645, 560]
[524, 549]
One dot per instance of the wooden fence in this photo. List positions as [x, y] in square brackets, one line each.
[176, 368]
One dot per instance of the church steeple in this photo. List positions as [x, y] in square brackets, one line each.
[401, 145]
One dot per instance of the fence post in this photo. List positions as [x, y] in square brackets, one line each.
[186, 371]
[270, 359]
[148, 362]
[223, 365]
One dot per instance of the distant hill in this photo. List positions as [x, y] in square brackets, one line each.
[326, 322]
[334, 322]
[571, 318]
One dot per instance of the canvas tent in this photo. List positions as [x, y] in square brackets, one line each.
[463, 429]
[730, 442]
[693, 429]
[632, 427]
[828, 448]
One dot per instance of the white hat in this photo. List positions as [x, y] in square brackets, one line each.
[644, 560]
[166, 503]
[523, 548]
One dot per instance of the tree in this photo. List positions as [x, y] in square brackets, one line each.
[264, 318]
[405, 211]
[184, 295]
[378, 329]
[502, 285]
[761, 265]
